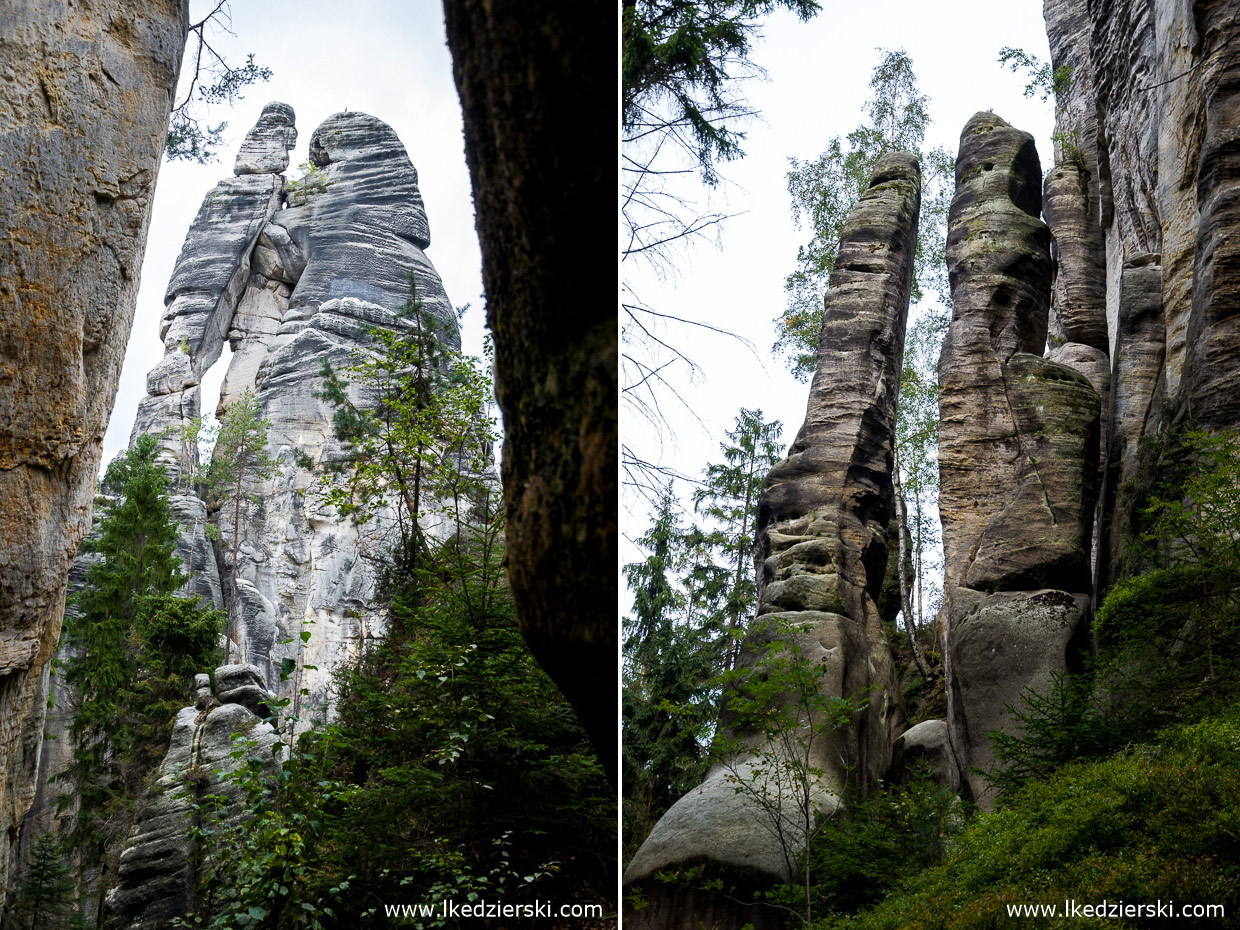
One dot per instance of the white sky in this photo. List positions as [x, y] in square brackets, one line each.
[387, 58]
[818, 81]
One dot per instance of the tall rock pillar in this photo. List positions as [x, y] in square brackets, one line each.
[84, 104]
[1018, 451]
[821, 546]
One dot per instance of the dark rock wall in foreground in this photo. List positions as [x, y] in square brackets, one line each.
[85, 94]
[524, 73]
[822, 550]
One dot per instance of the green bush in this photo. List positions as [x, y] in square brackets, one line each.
[1157, 822]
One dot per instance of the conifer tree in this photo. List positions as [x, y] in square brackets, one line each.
[239, 458]
[670, 664]
[133, 648]
[728, 498]
[44, 892]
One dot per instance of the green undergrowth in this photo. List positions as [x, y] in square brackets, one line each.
[1154, 822]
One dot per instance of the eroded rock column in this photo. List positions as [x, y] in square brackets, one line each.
[84, 104]
[157, 879]
[822, 549]
[1018, 451]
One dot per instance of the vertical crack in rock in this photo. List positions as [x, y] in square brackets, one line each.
[1215, 331]
[80, 158]
[821, 531]
[1138, 383]
[1018, 450]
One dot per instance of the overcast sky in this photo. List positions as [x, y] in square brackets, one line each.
[387, 58]
[818, 76]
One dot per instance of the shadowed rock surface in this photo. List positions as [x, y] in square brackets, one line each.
[84, 104]
[157, 879]
[1018, 450]
[822, 549]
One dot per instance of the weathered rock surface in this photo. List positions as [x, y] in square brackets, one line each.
[84, 104]
[290, 288]
[1134, 405]
[822, 528]
[1078, 310]
[266, 146]
[157, 879]
[925, 747]
[1018, 448]
[1152, 106]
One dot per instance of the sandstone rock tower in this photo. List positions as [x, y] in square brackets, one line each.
[291, 275]
[822, 553]
[1018, 450]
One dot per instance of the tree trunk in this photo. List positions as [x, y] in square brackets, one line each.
[906, 606]
[528, 74]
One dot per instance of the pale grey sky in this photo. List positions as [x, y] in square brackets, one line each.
[818, 77]
[383, 57]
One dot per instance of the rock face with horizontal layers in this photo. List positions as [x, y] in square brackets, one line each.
[292, 275]
[1152, 113]
[822, 551]
[84, 105]
[1018, 451]
[157, 879]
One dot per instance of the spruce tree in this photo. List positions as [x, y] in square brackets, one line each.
[728, 498]
[133, 647]
[44, 892]
[669, 667]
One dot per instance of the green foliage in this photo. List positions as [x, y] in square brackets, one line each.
[728, 499]
[671, 657]
[824, 191]
[917, 460]
[681, 59]
[453, 766]
[209, 80]
[44, 894]
[777, 717]
[1044, 81]
[1047, 83]
[313, 181]
[133, 649]
[869, 848]
[1061, 724]
[421, 436]
[258, 858]
[1154, 822]
[239, 460]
